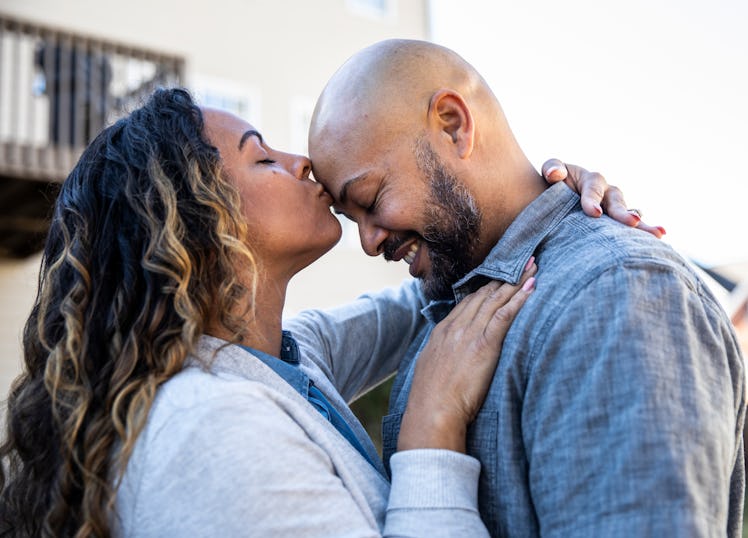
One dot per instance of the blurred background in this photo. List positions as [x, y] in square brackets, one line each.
[653, 94]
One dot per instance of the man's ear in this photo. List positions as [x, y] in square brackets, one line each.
[450, 114]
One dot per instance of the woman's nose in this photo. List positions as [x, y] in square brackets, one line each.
[301, 166]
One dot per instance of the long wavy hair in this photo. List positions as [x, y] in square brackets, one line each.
[141, 252]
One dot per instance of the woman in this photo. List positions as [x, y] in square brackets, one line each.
[160, 395]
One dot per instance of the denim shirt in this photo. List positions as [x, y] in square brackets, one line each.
[618, 403]
[288, 369]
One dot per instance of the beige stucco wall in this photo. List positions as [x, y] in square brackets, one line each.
[281, 50]
[285, 48]
[338, 277]
[17, 291]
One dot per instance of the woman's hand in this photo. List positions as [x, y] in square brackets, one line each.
[597, 196]
[455, 369]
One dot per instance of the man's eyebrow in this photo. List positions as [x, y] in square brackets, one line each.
[343, 196]
[247, 134]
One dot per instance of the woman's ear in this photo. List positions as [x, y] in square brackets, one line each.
[450, 114]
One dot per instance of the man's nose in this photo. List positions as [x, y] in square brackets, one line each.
[372, 237]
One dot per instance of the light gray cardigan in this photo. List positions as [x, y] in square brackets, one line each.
[230, 449]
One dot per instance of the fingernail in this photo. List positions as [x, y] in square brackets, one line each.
[599, 209]
[529, 263]
[662, 230]
[529, 284]
[637, 218]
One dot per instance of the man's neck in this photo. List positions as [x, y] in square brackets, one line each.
[505, 203]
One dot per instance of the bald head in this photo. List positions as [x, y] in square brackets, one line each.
[392, 82]
[395, 118]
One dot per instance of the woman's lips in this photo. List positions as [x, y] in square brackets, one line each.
[323, 194]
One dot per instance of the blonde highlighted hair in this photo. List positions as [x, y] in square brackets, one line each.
[140, 254]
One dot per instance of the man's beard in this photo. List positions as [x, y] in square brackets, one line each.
[453, 225]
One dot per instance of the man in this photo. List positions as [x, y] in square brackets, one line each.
[617, 407]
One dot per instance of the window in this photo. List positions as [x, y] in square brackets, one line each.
[239, 99]
[300, 117]
[373, 9]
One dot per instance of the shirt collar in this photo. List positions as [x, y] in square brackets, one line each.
[289, 348]
[288, 365]
[508, 258]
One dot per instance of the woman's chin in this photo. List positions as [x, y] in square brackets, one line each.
[333, 238]
[319, 251]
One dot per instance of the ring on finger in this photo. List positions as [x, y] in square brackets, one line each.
[636, 212]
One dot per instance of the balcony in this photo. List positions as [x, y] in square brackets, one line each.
[58, 89]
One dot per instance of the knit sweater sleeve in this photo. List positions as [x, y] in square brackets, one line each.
[245, 466]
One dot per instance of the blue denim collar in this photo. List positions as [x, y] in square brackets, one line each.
[288, 365]
[508, 258]
[289, 348]
[288, 369]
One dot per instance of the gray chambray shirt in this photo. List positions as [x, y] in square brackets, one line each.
[617, 407]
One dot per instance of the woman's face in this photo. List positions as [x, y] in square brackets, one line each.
[288, 215]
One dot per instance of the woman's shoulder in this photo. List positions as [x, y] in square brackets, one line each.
[197, 387]
[204, 430]
[229, 396]
[194, 398]
[219, 387]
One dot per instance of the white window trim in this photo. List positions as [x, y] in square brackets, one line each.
[207, 89]
[362, 8]
[300, 112]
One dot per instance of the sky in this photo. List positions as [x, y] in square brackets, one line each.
[652, 94]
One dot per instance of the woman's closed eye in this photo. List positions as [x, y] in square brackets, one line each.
[266, 161]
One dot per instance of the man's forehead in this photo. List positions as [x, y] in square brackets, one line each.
[339, 180]
[336, 161]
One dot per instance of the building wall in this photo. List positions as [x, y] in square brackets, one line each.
[17, 290]
[268, 59]
[282, 50]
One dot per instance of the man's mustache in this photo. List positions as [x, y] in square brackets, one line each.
[394, 242]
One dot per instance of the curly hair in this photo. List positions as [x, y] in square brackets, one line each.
[141, 252]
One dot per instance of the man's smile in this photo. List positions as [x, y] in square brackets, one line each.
[407, 250]
[411, 254]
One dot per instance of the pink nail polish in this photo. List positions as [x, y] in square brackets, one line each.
[529, 263]
[529, 284]
[662, 230]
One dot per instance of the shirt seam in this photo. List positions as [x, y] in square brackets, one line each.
[629, 262]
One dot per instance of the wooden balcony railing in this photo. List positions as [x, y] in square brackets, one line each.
[58, 89]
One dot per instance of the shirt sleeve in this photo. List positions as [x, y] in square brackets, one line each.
[633, 410]
[360, 344]
[246, 468]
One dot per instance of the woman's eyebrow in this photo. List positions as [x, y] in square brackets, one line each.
[247, 134]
